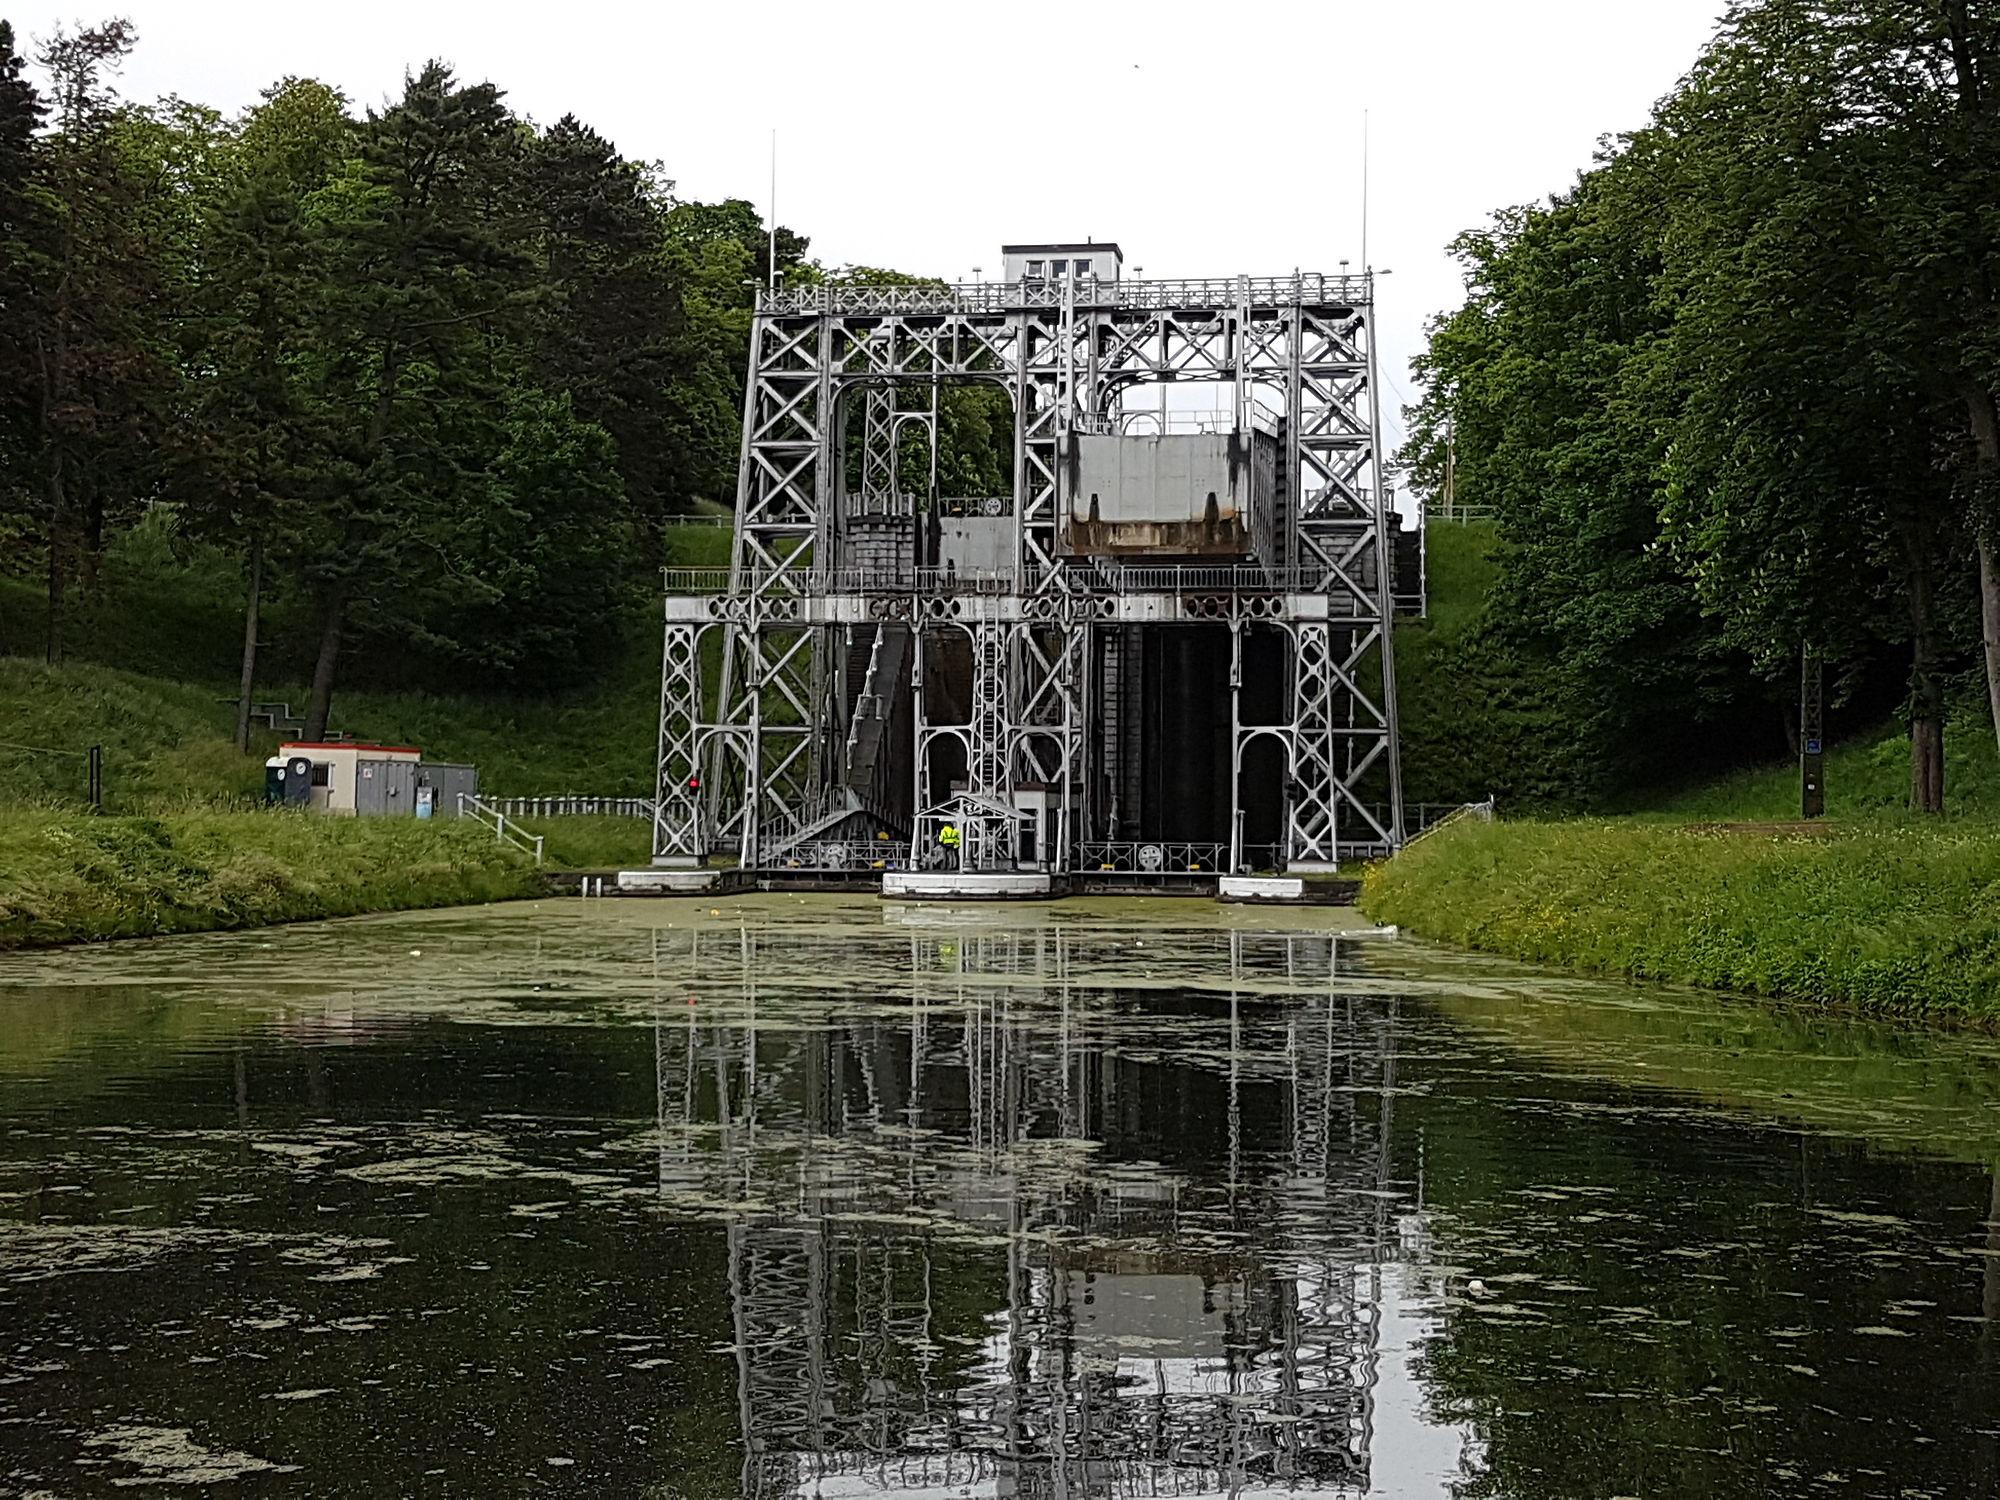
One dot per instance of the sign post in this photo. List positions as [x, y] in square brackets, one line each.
[1812, 740]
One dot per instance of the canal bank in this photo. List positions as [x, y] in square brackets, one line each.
[1893, 919]
[71, 878]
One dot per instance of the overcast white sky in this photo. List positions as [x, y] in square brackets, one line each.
[1207, 140]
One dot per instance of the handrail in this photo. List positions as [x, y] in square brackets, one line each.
[469, 805]
[1481, 810]
[1152, 856]
[1167, 578]
[572, 805]
[1217, 292]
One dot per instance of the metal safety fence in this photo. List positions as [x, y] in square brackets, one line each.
[470, 806]
[571, 805]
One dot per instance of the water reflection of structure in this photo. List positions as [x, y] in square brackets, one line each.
[962, 1255]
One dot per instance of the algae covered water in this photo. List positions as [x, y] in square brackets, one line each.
[818, 1197]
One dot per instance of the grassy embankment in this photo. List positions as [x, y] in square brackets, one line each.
[184, 844]
[1873, 909]
[1892, 919]
[70, 878]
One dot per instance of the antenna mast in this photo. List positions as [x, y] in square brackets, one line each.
[1364, 192]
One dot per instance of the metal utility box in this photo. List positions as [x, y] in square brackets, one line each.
[446, 781]
[384, 787]
[1173, 495]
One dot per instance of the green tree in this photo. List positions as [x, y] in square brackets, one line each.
[21, 233]
[1544, 392]
[550, 543]
[610, 320]
[92, 317]
[422, 262]
[1804, 482]
[252, 436]
[1735, 391]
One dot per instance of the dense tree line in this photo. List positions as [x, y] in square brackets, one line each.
[436, 373]
[1732, 396]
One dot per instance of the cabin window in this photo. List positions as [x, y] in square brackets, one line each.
[322, 773]
[1035, 270]
[1059, 268]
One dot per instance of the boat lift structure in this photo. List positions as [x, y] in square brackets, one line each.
[1167, 649]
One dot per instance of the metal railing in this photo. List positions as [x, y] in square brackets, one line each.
[1151, 422]
[834, 856]
[470, 805]
[1483, 811]
[799, 583]
[1080, 577]
[975, 505]
[1419, 816]
[1308, 288]
[1164, 857]
[1199, 578]
[571, 806]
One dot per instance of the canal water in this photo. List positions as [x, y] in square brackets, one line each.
[827, 1197]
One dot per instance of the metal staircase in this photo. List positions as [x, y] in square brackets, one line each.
[882, 683]
[280, 720]
[857, 811]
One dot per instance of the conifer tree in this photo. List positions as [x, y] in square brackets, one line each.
[424, 279]
[609, 317]
[86, 318]
[21, 240]
[251, 439]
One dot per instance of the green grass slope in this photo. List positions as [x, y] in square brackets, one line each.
[1902, 920]
[1475, 720]
[151, 677]
[1867, 777]
[185, 845]
[69, 878]
[165, 743]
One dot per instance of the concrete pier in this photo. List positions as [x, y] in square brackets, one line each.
[965, 885]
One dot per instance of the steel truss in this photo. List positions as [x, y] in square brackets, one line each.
[749, 764]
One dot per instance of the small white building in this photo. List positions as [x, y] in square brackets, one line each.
[351, 780]
[1101, 259]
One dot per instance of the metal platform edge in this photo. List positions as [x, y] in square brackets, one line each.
[909, 885]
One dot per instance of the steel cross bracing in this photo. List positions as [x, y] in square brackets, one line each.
[757, 763]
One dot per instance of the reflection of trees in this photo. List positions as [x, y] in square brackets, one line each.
[1678, 1302]
[963, 1250]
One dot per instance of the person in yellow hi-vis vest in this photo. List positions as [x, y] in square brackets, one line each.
[948, 841]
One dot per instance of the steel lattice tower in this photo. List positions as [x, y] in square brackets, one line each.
[880, 660]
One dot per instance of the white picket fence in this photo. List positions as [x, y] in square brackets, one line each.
[571, 806]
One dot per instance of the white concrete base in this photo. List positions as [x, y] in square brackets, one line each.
[963, 885]
[669, 882]
[1260, 888]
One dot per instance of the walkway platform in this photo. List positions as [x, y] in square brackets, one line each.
[1287, 888]
[952, 885]
[960, 885]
